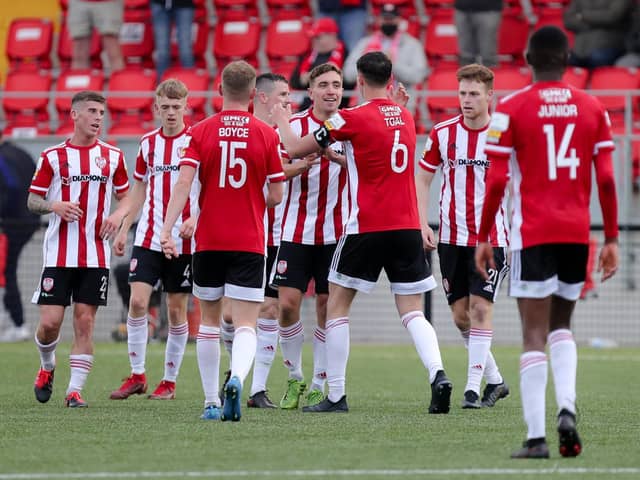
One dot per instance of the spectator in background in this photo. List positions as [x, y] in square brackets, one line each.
[477, 23]
[18, 226]
[325, 48]
[181, 12]
[632, 42]
[405, 52]
[106, 16]
[600, 27]
[350, 15]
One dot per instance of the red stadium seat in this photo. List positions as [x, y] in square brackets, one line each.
[557, 4]
[129, 99]
[29, 43]
[300, 7]
[236, 38]
[199, 41]
[509, 79]
[287, 37]
[65, 48]
[26, 114]
[70, 82]
[576, 76]
[432, 6]
[615, 78]
[512, 38]
[196, 80]
[136, 38]
[248, 7]
[441, 41]
[442, 106]
[136, 4]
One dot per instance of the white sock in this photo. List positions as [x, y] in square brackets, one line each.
[479, 346]
[564, 363]
[267, 333]
[174, 352]
[244, 351]
[533, 386]
[47, 353]
[337, 351]
[137, 336]
[319, 359]
[80, 368]
[426, 342]
[291, 341]
[227, 331]
[491, 371]
[208, 353]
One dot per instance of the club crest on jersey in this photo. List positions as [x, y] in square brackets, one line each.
[281, 267]
[100, 162]
[133, 264]
[47, 284]
[181, 152]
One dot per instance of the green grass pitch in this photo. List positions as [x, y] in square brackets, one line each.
[387, 433]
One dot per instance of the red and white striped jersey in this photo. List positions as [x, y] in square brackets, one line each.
[379, 138]
[316, 203]
[88, 176]
[273, 223]
[459, 150]
[158, 165]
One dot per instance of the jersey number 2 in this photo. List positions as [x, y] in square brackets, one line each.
[563, 156]
[229, 159]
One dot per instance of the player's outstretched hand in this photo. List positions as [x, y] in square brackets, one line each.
[609, 260]
[187, 228]
[484, 258]
[336, 157]
[168, 245]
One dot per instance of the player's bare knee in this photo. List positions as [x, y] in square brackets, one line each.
[138, 305]
[480, 314]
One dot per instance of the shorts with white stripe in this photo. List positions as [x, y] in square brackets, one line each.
[359, 259]
[550, 269]
[239, 275]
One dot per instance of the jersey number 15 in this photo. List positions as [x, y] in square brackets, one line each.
[229, 159]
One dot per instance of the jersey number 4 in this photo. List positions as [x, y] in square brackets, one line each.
[230, 159]
[563, 156]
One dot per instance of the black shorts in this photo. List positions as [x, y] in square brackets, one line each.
[151, 267]
[299, 263]
[359, 258]
[550, 269]
[272, 253]
[238, 275]
[61, 285]
[460, 277]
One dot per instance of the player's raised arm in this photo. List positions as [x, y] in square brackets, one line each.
[295, 146]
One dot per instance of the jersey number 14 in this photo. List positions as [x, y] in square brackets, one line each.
[563, 156]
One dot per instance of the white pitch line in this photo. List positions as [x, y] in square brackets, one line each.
[325, 473]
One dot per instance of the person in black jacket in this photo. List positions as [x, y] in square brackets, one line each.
[18, 225]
